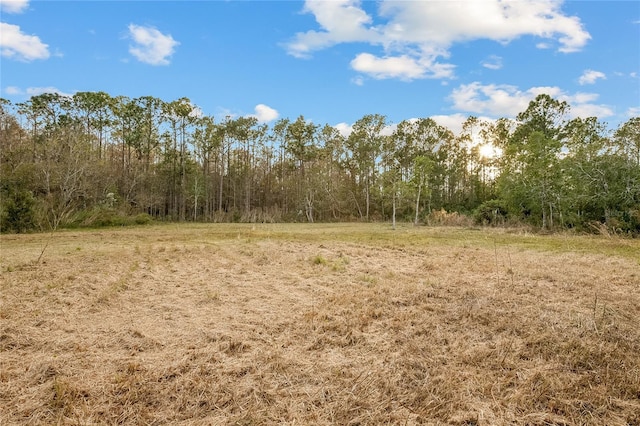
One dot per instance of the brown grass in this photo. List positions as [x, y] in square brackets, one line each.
[325, 324]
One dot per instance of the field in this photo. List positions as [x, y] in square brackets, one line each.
[319, 324]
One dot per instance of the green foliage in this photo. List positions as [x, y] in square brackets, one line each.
[142, 219]
[60, 155]
[102, 217]
[319, 260]
[492, 212]
[18, 211]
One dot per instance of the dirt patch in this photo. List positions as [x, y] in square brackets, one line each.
[245, 325]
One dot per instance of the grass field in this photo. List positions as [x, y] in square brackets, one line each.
[319, 324]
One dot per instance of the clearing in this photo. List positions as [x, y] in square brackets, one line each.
[319, 324]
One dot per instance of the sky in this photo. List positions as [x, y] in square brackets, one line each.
[331, 61]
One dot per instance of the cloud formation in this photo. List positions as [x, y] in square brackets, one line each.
[493, 62]
[14, 44]
[633, 112]
[416, 35]
[265, 114]
[150, 45]
[14, 6]
[590, 77]
[501, 100]
[12, 90]
[34, 91]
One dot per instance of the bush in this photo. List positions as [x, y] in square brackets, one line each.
[142, 219]
[492, 212]
[444, 218]
[18, 212]
[101, 217]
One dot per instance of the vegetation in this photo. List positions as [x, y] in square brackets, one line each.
[92, 160]
[319, 324]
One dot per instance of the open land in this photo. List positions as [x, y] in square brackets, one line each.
[319, 324]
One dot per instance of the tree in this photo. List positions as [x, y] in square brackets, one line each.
[151, 120]
[300, 144]
[95, 109]
[332, 142]
[242, 130]
[532, 179]
[627, 139]
[365, 144]
[128, 116]
[181, 115]
[207, 143]
[278, 139]
[62, 158]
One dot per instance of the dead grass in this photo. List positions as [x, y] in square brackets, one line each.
[325, 324]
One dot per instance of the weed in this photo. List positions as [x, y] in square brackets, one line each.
[319, 260]
[369, 280]
[340, 264]
[337, 265]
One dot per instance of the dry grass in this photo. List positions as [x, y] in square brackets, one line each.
[325, 324]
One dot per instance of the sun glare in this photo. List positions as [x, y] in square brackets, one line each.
[487, 151]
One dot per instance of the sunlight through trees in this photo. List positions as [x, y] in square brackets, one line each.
[92, 159]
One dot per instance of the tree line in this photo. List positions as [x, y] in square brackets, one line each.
[92, 159]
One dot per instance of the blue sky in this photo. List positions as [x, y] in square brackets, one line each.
[331, 61]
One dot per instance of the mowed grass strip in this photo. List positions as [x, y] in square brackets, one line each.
[319, 324]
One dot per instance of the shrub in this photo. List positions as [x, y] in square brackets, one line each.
[444, 218]
[101, 216]
[142, 219]
[492, 212]
[18, 212]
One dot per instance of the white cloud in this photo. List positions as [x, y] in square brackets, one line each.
[633, 112]
[455, 122]
[442, 23]
[590, 110]
[12, 90]
[590, 77]
[402, 67]
[151, 46]
[389, 129]
[341, 20]
[358, 80]
[344, 129]
[35, 91]
[415, 35]
[226, 113]
[493, 62]
[14, 6]
[495, 100]
[196, 112]
[265, 113]
[17, 45]
[507, 101]
[452, 122]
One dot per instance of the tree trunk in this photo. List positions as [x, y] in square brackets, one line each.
[367, 193]
[415, 220]
[309, 207]
[393, 221]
